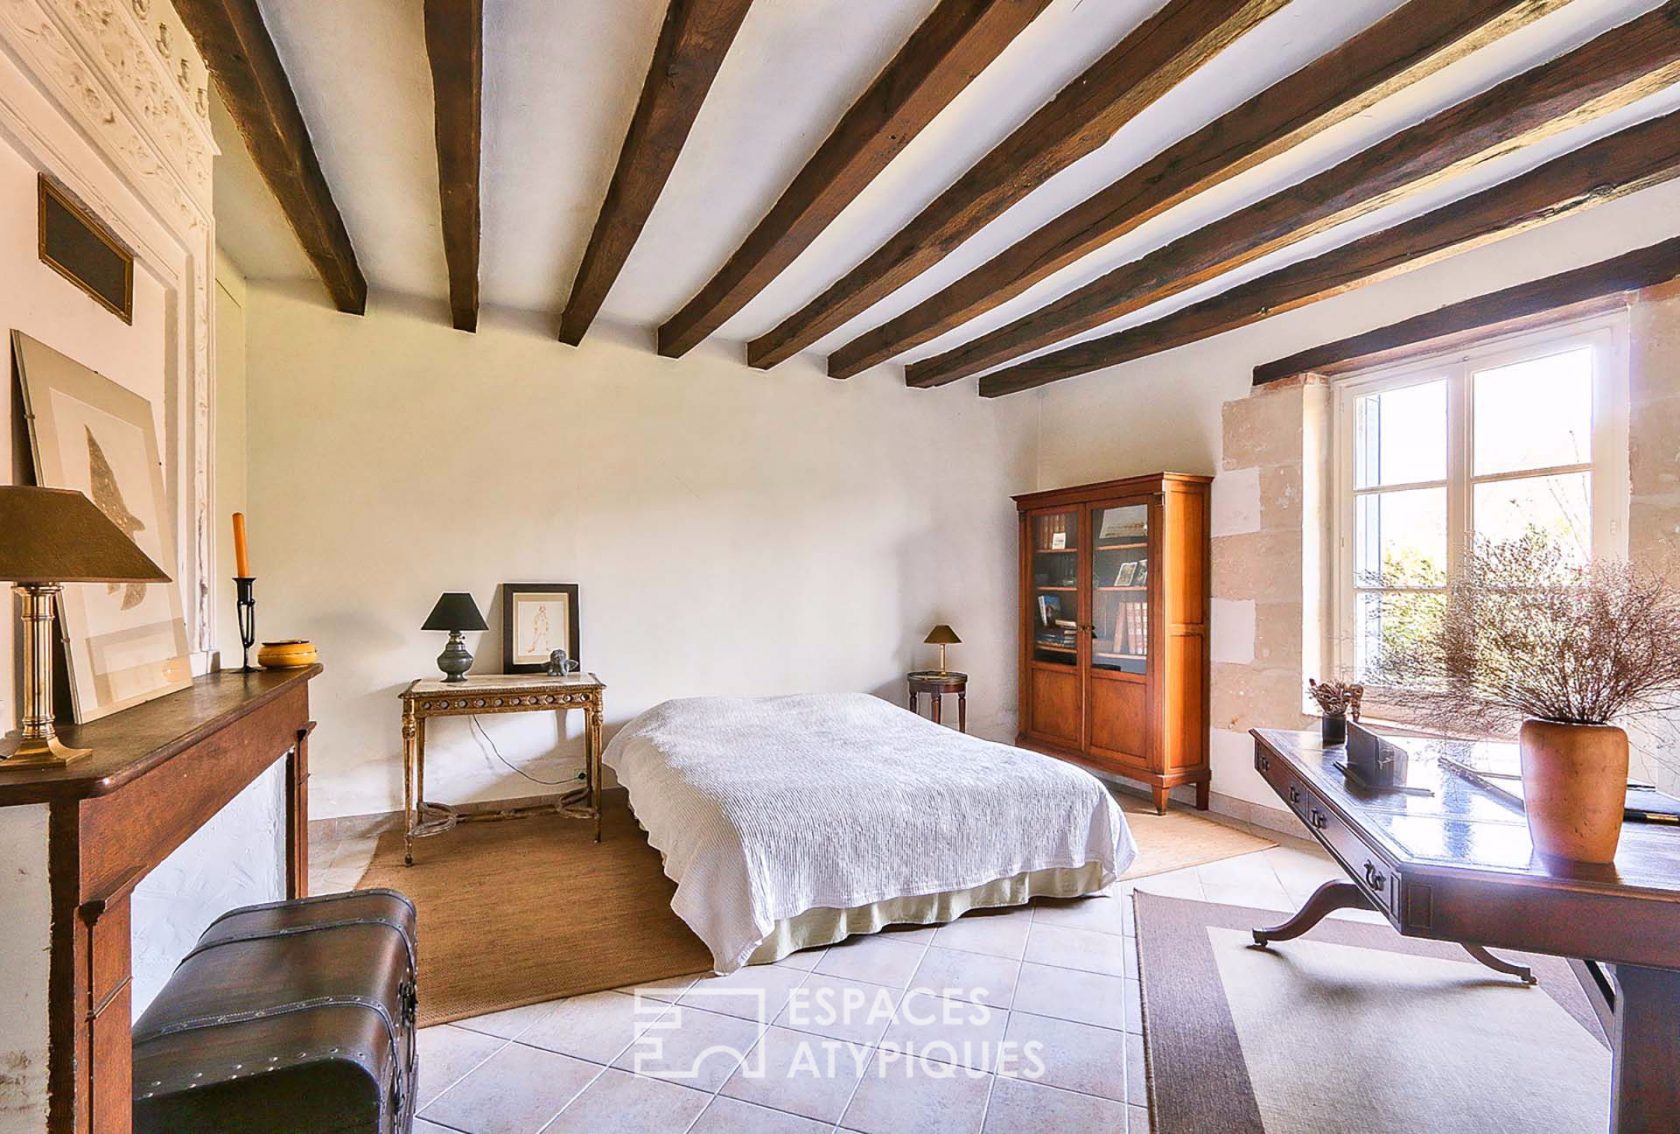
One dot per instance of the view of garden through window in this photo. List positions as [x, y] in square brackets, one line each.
[1458, 454]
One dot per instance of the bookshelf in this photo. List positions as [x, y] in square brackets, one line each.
[1114, 579]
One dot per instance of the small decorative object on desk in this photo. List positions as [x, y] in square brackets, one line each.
[455, 612]
[55, 536]
[1529, 636]
[559, 665]
[1337, 700]
[1376, 765]
[292, 653]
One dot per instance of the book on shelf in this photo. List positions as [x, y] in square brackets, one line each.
[1120, 523]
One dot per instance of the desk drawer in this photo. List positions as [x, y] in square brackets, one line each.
[1373, 873]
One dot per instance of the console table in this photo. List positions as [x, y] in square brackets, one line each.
[1457, 865]
[495, 693]
[158, 772]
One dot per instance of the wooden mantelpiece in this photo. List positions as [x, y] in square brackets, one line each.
[158, 772]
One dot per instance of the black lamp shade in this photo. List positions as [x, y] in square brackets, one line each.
[455, 610]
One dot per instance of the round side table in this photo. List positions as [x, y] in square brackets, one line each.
[938, 684]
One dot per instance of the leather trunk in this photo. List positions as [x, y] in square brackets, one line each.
[290, 1018]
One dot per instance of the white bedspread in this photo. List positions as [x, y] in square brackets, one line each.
[767, 807]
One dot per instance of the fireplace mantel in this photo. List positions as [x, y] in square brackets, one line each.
[158, 772]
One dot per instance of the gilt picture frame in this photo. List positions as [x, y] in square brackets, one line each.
[125, 643]
[538, 618]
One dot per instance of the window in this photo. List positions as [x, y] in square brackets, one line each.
[1523, 433]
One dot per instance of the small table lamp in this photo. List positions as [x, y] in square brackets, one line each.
[54, 536]
[455, 612]
[942, 636]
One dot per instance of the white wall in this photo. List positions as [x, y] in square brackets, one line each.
[231, 482]
[1165, 411]
[732, 531]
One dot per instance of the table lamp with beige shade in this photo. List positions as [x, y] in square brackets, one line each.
[53, 536]
[942, 636]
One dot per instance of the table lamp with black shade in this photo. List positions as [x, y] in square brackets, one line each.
[53, 536]
[457, 613]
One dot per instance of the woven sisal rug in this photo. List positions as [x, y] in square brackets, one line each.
[1354, 1028]
[521, 911]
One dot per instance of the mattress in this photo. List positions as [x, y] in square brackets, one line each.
[788, 822]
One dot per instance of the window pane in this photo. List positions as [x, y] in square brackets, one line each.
[1386, 620]
[1401, 539]
[1559, 507]
[1535, 414]
[1401, 435]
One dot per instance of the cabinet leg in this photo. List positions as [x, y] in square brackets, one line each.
[1161, 795]
[962, 712]
[1326, 900]
[938, 700]
[1203, 790]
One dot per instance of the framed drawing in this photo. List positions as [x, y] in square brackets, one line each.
[537, 619]
[125, 642]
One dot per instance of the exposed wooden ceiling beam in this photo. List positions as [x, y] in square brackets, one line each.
[238, 51]
[953, 45]
[692, 43]
[1633, 159]
[1632, 271]
[1621, 66]
[1160, 53]
[1399, 50]
[455, 50]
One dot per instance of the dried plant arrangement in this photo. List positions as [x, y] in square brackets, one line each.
[1528, 633]
[1337, 698]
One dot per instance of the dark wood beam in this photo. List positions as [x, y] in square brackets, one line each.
[1159, 54]
[692, 43]
[953, 45]
[1633, 159]
[1408, 45]
[455, 50]
[1623, 65]
[1644, 267]
[237, 49]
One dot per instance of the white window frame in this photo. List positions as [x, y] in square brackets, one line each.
[1606, 334]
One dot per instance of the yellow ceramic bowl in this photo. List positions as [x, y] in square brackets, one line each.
[294, 653]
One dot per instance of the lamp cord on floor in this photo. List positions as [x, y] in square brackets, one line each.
[486, 735]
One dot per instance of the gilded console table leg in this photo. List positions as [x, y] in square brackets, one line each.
[594, 727]
[1325, 900]
[409, 730]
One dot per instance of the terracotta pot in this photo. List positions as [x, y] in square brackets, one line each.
[1574, 788]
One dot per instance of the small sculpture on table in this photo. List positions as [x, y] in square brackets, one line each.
[560, 665]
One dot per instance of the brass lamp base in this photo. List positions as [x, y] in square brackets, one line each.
[37, 752]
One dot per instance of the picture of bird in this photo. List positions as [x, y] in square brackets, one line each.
[108, 498]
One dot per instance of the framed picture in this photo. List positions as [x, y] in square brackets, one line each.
[125, 642]
[537, 619]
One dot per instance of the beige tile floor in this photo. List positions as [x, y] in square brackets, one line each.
[1026, 1020]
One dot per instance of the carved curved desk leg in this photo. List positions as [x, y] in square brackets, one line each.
[1521, 972]
[1326, 900]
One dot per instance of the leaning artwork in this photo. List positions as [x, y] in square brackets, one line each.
[125, 642]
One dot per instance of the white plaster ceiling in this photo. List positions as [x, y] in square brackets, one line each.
[562, 78]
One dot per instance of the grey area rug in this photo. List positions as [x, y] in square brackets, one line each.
[1355, 1028]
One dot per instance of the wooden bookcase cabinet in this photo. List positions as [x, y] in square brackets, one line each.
[1113, 628]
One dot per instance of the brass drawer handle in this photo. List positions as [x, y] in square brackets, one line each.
[1374, 878]
[1320, 819]
[1265, 762]
[1294, 795]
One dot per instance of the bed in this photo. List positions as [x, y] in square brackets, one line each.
[792, 822]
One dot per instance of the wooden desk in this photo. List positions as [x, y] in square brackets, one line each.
[1457, 865]
[158, 772]
[495, 693]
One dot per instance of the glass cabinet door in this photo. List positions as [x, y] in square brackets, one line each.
[1055, 588]
[1120, 588]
